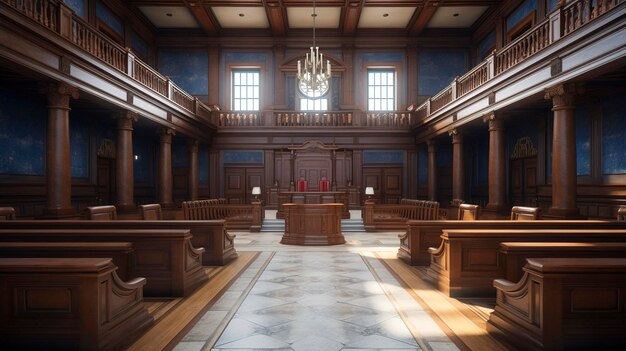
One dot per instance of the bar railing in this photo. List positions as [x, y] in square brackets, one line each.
[56, 16]
[559, 23]
[388, 119]
[523, 47]
[149, 77]
[322, 119]
[98, 45]
[239, 119]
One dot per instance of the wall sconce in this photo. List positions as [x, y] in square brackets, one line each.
[256, 191]
[369, 191]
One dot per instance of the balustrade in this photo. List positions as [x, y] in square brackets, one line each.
[97, 44]
[440, 100]
[523, 47]
[147, 76]
[238, 119]
[322, 119]
[389, 119]
[43, 11]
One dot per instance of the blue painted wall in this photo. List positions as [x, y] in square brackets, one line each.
[78, 6]
[79, 145]
[383, 156]
[481, 152]
[522, 11]
[437, 69]
[203, 165]
[139, 45]
[144, 147]
[188, 69]
[552, 4]
[422, 165]
[614, 135]
[444, 154]
[242, 156]
[486, 45]
[107, 16]
[180, 154]
[23, 134]
[583, 141]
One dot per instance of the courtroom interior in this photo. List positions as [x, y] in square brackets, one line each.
[312, 175]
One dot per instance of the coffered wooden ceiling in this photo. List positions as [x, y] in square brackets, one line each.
[293, 17]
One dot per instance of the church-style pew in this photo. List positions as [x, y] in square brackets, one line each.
[420, 235]
[120, 252]
[68, 304]
[219, 245]
[563, 304]
[515, 254]
[237, 216]
[468, 260]
[394, 216]
[166, 258]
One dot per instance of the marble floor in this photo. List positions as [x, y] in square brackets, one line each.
[316, 298]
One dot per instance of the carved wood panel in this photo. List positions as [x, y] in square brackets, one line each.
[524, 181]
[238, 183]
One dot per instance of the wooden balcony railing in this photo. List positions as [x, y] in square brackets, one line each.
[234, 119]
[56, 16]
[311, 119]
[560, 22]
[388, 119]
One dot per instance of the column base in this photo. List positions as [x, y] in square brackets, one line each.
[570, 213]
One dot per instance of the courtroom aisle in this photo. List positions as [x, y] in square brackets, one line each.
[316, 298]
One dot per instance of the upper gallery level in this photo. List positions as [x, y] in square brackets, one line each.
[423, 67]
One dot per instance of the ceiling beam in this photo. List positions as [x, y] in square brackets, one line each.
[204, 16]
[422, 16]
[351, 15]
[277, 17]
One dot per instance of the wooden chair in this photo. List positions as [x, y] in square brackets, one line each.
[101, 212]
[468, 212]
[150, 212]
[621, 214]
[521, 213]
[7, 213]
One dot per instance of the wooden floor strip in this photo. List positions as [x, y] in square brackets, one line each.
[186, 311]
[447, 309]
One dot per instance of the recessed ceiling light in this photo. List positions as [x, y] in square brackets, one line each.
[385, 15]
[169, 14]
[241, 15]
[455, 15]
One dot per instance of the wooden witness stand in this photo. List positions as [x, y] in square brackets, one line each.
[313, 224]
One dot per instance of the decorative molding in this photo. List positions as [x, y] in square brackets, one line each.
[556, 66]
[106, 149]
[523, 148]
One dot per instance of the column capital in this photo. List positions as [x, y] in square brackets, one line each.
[165, 135]
[59, 94]
[457, 137]
[562, 95]
[125, 119]
[495, 121]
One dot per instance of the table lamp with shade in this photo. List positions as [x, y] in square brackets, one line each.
[256, 191]
[369, 191]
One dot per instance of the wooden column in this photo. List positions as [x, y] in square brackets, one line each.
[193, 169]
[458, 167]
[124, 180]
[214, 174]
[292, 164]
[58, 171]
[164, 181]
[432, 170]
[333, 164]
[497, 164]
[214, 71]
[347, 102]
[279, 79]
[563, 151]
[412, 78]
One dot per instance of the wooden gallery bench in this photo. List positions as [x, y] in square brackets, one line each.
[68, 304]
[563, 304]
[237, 216]
[515, 254]
[395, 217]
[421, 235]
[119, 252]
[468, 260]
[218, 244]
[166, 258]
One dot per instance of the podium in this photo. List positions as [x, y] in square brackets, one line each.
[314, 224]
[313, 197]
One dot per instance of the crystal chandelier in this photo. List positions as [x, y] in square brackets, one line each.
[313, 78]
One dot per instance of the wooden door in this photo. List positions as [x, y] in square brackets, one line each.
[238, 183]
[386, 181]
[106, 181]
[524, 181]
